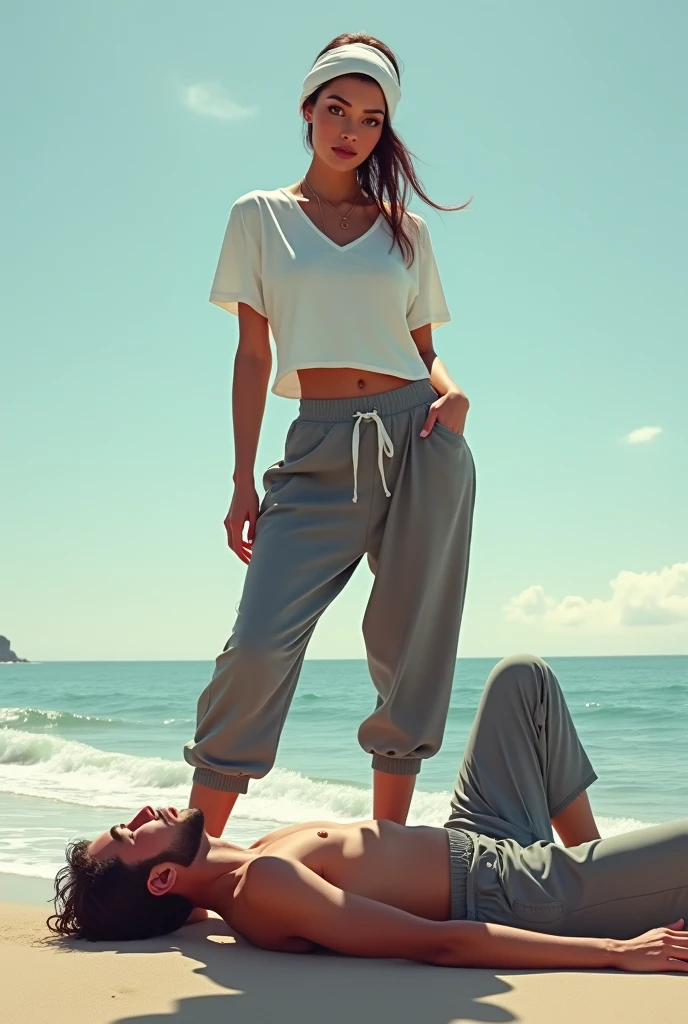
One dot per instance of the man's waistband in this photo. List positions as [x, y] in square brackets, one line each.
[461, 846]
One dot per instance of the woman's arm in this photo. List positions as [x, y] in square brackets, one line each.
[452, 406]
[252, 366]
[439, 374]
[287, 902]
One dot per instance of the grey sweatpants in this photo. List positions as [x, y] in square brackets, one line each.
[412, 517]
[523, 765]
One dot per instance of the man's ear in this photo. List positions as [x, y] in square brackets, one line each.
[161, 879]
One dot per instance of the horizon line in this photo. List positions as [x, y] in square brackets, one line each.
[174, 661]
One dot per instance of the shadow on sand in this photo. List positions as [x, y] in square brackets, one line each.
[262, 986]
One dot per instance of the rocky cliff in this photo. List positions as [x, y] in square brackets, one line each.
[6, 652]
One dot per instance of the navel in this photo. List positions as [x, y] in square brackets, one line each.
[361, 383]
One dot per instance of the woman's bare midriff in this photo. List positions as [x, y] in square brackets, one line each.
[346, 383]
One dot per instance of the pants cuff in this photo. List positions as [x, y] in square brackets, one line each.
[396, 765]
[223, 783]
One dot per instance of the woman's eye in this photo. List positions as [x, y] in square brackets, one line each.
[370, 122]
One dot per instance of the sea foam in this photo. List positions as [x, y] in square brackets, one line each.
[37, 718]
[46, 766]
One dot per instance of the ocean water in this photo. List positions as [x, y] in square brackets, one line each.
[82, 745]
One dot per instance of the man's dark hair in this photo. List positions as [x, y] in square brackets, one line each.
[106, 900]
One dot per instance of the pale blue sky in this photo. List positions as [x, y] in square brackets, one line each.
[130, 128]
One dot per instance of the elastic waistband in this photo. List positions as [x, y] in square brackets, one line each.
[460, 857]
[341, 410]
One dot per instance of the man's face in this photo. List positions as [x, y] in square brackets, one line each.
[152, 834]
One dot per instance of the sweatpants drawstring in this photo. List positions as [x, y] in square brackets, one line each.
[384, 447]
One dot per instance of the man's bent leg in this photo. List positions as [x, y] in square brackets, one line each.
[576, 823]
[524, 763]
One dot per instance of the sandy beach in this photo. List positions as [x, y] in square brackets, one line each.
[203, 974]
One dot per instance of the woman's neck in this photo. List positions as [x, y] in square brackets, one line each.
[334, 186]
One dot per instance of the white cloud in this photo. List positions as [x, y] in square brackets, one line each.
[530, 604]
[658, 598]
[211, 100]
[642, 435]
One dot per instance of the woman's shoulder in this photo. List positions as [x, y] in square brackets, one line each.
[416, 223]
[410, 220]
[261, 197]
[416, 229]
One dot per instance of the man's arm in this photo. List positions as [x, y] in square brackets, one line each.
[286, 901]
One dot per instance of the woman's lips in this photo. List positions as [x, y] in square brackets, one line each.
[345, 154]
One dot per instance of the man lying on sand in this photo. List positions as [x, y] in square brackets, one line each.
[489, 889]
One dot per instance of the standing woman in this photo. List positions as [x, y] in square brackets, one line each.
[375, 464]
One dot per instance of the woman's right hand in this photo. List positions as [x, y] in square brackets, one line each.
[662, 949]
[243, 510]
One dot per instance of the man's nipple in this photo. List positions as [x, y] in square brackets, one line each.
[323, 834]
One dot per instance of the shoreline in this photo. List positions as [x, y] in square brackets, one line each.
[27, 890]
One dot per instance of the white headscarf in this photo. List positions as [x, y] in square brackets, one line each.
[354, 58]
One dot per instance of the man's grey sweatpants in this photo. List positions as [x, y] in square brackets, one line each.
[412, 517]
[523, 765]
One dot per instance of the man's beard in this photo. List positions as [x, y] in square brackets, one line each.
[187, 842]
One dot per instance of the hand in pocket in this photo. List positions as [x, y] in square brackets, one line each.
[450, 410]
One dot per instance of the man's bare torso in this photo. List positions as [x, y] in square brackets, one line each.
[405, 867]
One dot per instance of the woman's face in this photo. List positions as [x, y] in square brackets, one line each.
[347, 120]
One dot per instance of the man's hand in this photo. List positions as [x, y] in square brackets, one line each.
[450, 410]
[662, 949]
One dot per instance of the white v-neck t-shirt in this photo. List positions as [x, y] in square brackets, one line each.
[328, 305]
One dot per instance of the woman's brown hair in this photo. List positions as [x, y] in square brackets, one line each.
[388, 175]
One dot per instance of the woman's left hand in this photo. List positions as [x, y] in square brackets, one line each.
[450, 410]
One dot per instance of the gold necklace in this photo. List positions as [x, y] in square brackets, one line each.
[343, 220]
